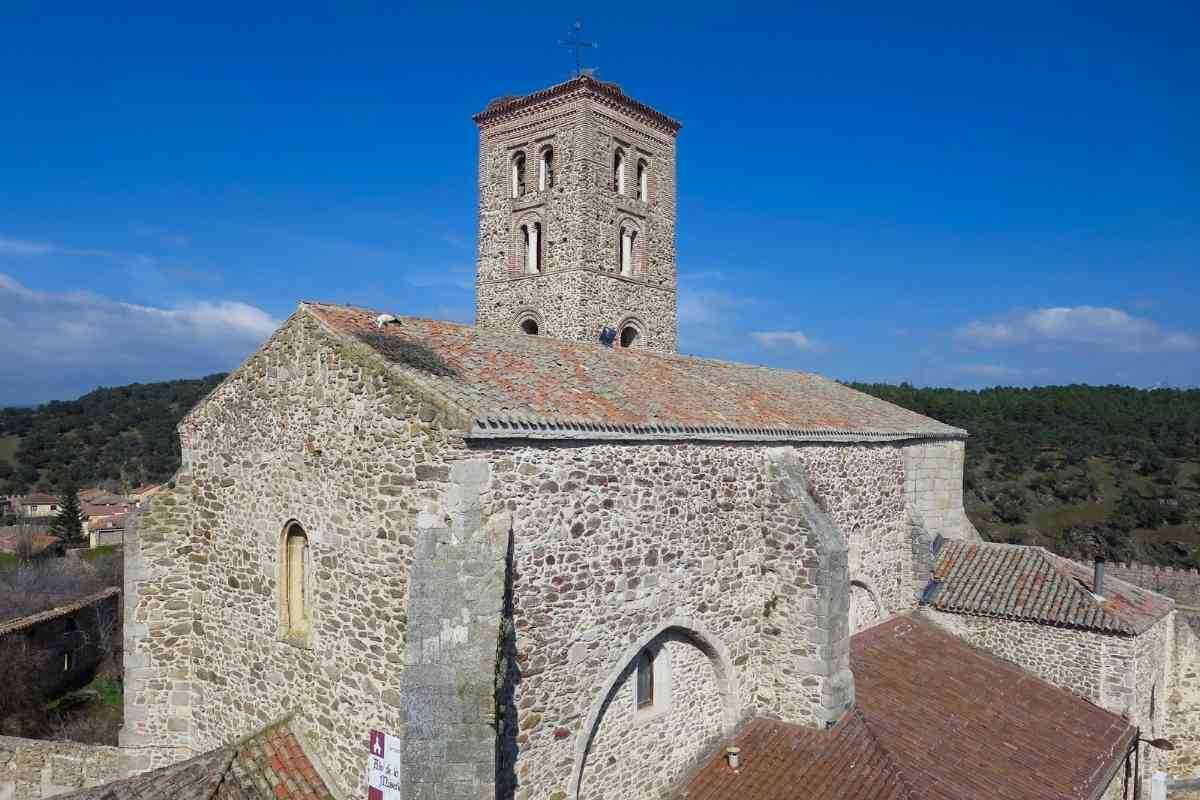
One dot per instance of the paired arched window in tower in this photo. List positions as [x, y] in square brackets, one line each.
[546, 169]
[531, 238]
[643, 180]
[619, 171]
[628, 249]
[294, 581]
[518, 175]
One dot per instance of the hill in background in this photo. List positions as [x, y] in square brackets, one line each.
[125, 434]
[1083, 470]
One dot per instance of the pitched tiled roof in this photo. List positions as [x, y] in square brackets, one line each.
[938, 720]
[271, 765]
[1032, 584]
[846, 762]
[21, 623]
[514, 385]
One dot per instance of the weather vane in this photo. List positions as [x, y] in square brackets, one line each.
[575, 42]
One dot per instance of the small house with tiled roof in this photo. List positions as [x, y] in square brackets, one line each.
[1103, 638]
[551, 556]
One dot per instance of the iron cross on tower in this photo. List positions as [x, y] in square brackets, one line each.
[575, 42]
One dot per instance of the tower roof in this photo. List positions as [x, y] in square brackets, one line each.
[511, 385]
[604, 91]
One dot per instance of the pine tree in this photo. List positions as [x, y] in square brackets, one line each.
[68, 525]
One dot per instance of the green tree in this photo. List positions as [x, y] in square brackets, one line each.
[68, 525]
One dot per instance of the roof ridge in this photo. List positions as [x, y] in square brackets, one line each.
[909, 792]
[226, 770]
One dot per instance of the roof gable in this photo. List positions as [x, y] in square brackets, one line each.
[519, 386]
[1034, 585]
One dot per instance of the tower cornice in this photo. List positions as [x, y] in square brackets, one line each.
[507, 108]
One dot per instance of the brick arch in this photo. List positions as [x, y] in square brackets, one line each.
[526, 314]
[694, 631]
[632, 321]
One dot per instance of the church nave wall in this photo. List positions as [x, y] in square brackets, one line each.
[309, 432]
[612, 542]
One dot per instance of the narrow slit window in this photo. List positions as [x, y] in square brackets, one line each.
[295, 581]
[643, 181]
[645, 679]
[619, 171]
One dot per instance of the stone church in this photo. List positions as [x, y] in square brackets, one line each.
[555, 560]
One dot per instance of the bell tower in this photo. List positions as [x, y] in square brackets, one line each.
[577, 216]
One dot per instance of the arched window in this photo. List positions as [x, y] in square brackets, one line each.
[629, 336]
[628, 250]
[645, 679]
[643, 181]
[530, 326]
[531, 241]
[293, 581]
[546, 170]
[518, 175]
[619, 171]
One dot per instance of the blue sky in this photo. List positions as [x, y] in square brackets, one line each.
[948, 194]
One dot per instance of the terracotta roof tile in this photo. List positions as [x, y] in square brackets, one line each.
[514, 385]
[934, 719]
[269, 765]
[1032, 584]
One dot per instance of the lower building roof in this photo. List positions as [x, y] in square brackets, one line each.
[1034, 585]
[934, 718]
[270, 765]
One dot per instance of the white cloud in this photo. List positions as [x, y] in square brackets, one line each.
[71, 343]
[1091, 326]
[790, 340]
[988, 371]
[19, 247]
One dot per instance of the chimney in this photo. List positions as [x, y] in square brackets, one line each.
[1098, 580]
[731, 755]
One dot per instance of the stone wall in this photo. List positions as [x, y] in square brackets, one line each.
[1183, 585]
[641, 752]
[1152, 654]
[160, 623]
[457, 595]
[933, 484]
[32, 769]
[1182, 723]
[1077, 661]
[614, 545]
[307, 431]
[576, 305]
[579, 289]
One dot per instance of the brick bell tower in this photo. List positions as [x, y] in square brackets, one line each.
[577, 216]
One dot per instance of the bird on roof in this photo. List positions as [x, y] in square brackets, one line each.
[384, 319]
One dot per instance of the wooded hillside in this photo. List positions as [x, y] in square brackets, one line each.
[1080, 469]
[125, 434]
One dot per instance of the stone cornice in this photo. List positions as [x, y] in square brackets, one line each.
[605, 93]
[515, 426]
